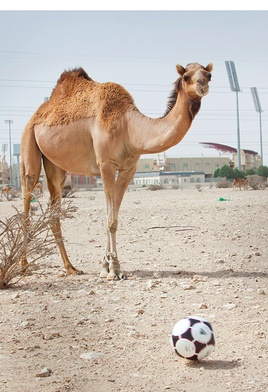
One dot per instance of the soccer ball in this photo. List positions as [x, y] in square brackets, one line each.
[193, 338]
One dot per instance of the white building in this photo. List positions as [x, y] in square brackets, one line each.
[175, 178]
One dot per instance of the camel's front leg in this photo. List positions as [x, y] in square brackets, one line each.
[111, 265]
[114, 192]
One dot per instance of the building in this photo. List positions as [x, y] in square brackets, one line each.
[80, 181]
[173, 178]
[249, 159]
[201, 164]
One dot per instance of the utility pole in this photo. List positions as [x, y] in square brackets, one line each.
[9, 122]
[234, 85]
[258, 108]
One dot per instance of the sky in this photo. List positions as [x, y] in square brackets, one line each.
[139, 48]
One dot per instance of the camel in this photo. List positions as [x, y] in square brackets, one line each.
[92, 128]
[240, 183]
[6, 191]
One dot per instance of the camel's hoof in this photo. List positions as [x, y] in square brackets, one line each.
[120, 277]
[112, 275]
[73, 271]
[103, 274]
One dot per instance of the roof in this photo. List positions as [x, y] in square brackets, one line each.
[170, 173]
[224, 148]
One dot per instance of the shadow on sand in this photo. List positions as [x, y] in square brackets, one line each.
[228, 273]
[214, 364]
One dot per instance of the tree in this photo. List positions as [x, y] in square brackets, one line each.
[238, 173]
[226, 171]
[251, 172]
[262, 171]
[217, 173]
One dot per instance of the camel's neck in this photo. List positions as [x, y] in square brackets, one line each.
[156, 135]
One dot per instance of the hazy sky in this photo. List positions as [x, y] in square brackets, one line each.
[140, 50]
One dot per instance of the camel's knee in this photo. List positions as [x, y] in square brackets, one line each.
[113, 226]
[28, 183]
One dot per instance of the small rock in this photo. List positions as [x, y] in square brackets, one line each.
[216, 283]
[203, 306]
[229, 306]
[150, 284]
[187, 287]
[46, 372]
[25, 324]
[140, 311]
[91, 355]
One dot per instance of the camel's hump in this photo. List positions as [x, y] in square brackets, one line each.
[76, 96]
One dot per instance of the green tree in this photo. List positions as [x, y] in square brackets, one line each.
[217, 173]
[238, 173]
[262, 171]
[251, 172]
[226, 171]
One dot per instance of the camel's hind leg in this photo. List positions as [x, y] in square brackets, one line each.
[30, 172]
[55, 182]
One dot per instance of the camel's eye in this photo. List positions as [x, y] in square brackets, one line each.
[186, 77]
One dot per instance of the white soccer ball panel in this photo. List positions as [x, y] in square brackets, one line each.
[201, 332]
[180, 327]
[205, 352]
[185, 348]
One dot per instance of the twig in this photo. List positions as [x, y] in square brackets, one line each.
[182, 228]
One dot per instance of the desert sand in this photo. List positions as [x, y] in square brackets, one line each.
[184, 252]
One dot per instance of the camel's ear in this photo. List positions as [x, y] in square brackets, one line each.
[180, 69]
[209, 67]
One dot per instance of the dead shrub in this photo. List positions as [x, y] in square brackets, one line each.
[256, 182]
[224, 184]
[68, 191]
[155, 187]
[38, 241]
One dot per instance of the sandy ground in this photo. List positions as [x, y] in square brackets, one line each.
[184, 252]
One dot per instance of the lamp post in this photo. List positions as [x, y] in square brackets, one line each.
[234, 85]
[258, 108]
[9, 122]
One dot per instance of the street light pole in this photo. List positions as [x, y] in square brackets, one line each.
[234, 85]
[9, 122]
[258, 108]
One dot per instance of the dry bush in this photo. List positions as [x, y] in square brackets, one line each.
[155, 187]
[198, 187]
[68, 191]
[256, 182]
[177, 187]
[38, 241]
[224, 184]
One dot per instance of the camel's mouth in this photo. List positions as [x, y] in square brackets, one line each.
[202, 90]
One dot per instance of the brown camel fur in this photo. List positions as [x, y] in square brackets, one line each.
[95, 129]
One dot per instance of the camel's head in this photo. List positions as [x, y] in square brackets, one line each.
[195, 79]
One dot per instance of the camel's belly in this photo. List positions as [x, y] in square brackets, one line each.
[68, 147]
